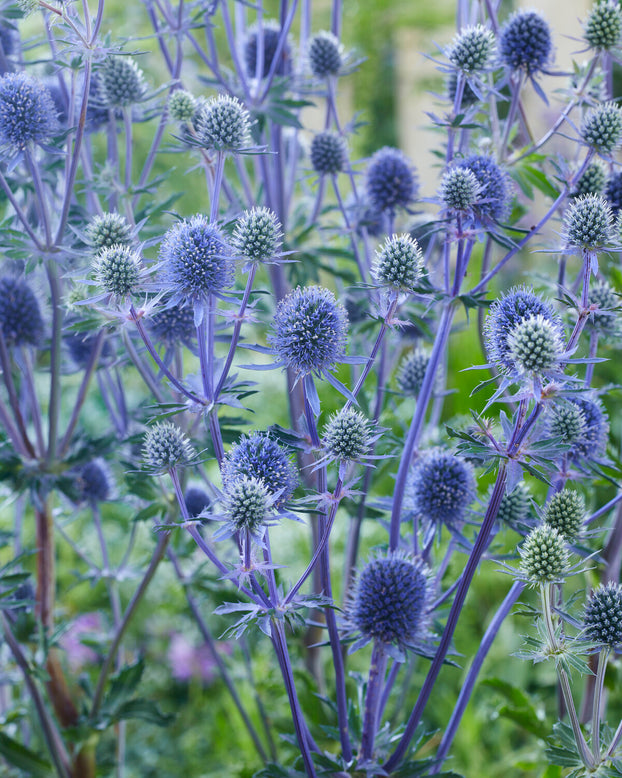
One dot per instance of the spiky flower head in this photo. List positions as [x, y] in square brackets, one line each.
[81, 346]
[565, 511]
[310, 330]
[592, 182]
[544, 556]
[325, 55]
[247, 504]
[602, 128]
[347, 436]
[173, 325]
[121, 82]
[329, 153]
[567, 422]
[613, 192]
[257, 235]
[593, 442]
[604, 318]
[535, 346]
[166, 446]
[118, 270]
[27, 111]
[271, 33]
[588, 222]
[93, 482]
[603, 26]
[493, 200]
[223, 124]
[9, 39]
[514, 506]
[109, 229]
[195, 260]
[472, 49]
[258, 456]
[398, 263]
[391, 180]
[525, 42]
[443, 487]
[459, 188]
[182, 106]
[390, 600]
[411, 371]
[197, 501]
[468, 95]
[603, 615]
[504, 316]
[20, 317]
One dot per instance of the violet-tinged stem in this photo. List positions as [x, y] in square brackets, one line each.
[285, 28]
[604, 510]
[215, 193]
[33, 400]
[236, 330]
[589, 368]
[615, 740]
[476, 665]
[515, 87]
[451, 132]
[55, 359]
[377, 669]
[143, 369]
[19, 212]
[127, 123]
[388, 687]
[40, 197]
[7, 375]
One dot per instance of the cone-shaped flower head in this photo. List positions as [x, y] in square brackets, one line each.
[347, 436]
[93, 482]
[257, 235]
[592, 182]
[588, 222]
[602, 128]
[443, 487]
[27, 111]
[325, 55]
[535, 346]
[166, 446]
[603, 615]
[544, 556]
[593, 442]
[247, 504]
[411, 371]
[604, 319]
[603, 26]
[567, 422]
[197, 501]
[459, 188]
[391, 180]
[310, 330]
[329, 153]
[118, 270]
[271, 33]
[472, 49]
[398, 264]
[173, 325]
[493, 201]
[223, 124]
[565, 511]
[182, 106]
[613, 192]
[20, 316]
[514, 507]
[109, 229]
[525, 42]
[121, 82]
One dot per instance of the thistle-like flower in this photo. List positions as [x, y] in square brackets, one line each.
[411, 371]
[613, 192]
[603, 26]
[389, 603]
[398, 264]
[603, 615]
[391, 180]
[93, 482]
[329, 153]
[310, 330]
[118, 270]
[565, 511]
[173, 325]
[257, 235]
[514, 506]
[593, 441]
[442, 487]
[535, 346]
[588, 222]
[270, 32]
[247, 505]
[347, 436]
[602, 128]
[604, 318]
[493, 200]
[525, 42]
[182, 106]
[223, 124]
[544, 556]
[27, 112]
[197, 501]
[109, 229]
[567, 422]
[121, 82]
[325, 55]
[592, 182]
[472, 49]
[20, 317]
[459, 188]
[166, 446]
[258, 456]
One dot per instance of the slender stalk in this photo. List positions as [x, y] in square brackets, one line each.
[603, 656]
[55, 360]
[372, 699]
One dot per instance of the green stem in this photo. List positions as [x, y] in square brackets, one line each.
[598, 696]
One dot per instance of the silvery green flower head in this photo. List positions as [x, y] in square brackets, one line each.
[544, 556]
[27, 112]
[565, 511]
[472, 49]
[257, 236]
[603, 26]
[411, 372]
[588, 222]
[118, 271]
[166, 446]
[460, 189]
[604, 304]
[195, 261]
[567, 421]
[525, 42]
[182, 106]
[310, 331]
[389, 604]
[348, 436]
[442, 486]
[21, 322]
[505, 315]
[603, 615]
[398, 264]
[514, 507]
[602, 128]
[223, 124]
[535, 346]
[592, 443]
[494, 195]
[592, 182]
[109, 229]
[248, 505]
[121, 82]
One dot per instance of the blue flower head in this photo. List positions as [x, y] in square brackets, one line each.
[93, 482]
[442, 486]
[20, 317]
[197, 501]
[329, 153]
[173, 325]
[518, 305]
[603, 615]
[310, 330]
[493, 199]
[258, 456]
[121, 82]
[525, 42]
[592, 443]
[27, 111]
[195, 261]
[389, 602]
[391, 180]
[271, 33]
[613, 192]
[325, 55]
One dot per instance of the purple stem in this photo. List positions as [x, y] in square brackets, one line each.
[372, 701]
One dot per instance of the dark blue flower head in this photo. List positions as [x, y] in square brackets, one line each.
[310, 330]
[173, 325]
[593, 441]
[258, 456]
[20, 317]
[93, 482]
[468, 95]
[9, 39]
[389, 602]
[603, 615]
[493, 199]
[329, 153]
[197, 501]
[80, 346]
[525, 42]
[442, 486]
[391, 180]
[325, 55]
[613, 192]
[271, 33]
[27, 111]
[195, 260]
[518, 305]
